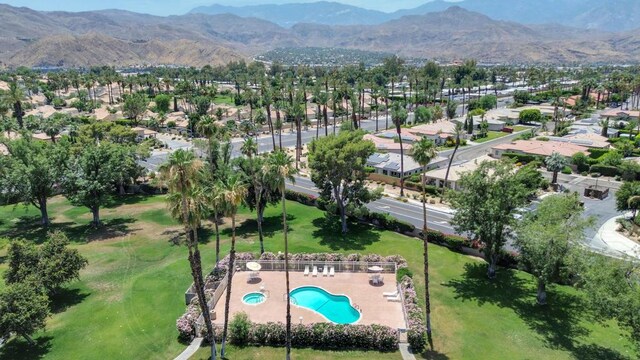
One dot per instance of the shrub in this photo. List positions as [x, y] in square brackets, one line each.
[304, 199]
[402, 273]
[416, 332]
[325, 336]
[389, 223]
[567, 170]
[452, 241]
[171, 124]
[597, 153]
[239, 328]
[523, 158]
[604, 170]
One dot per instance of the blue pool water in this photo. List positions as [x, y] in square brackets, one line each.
[254, 298]
[336, 308]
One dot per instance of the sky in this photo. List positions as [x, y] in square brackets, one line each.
[178, 7]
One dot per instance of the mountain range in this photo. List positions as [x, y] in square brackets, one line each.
[609, 15]
[121, 38]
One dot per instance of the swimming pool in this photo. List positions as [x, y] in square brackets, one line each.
[335, 308]
[254, 298]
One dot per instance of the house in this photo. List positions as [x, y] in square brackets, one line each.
[387, 145]
[591, 126]
[437, 176]
[590, 140]
[539, 148]
[438, 132]
[144, 133]
[389, 164]
[406, 136]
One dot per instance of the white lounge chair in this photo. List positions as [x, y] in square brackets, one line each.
[325, 271]
[332, 271]
[390, 294]
[315, 271]
[306, 270]
[395, 298]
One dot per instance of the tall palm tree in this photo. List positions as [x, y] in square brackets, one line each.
[233, 193]
[280, 165]
[458, 131]
[182, 175]
[399, 116]
[15, 97]
[249, 147]
[423, 152]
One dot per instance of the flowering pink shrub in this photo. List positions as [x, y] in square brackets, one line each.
[416, 332]
[325, 336]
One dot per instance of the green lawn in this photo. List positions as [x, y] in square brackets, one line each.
[130, 295]
[491, 135]
[222, 99]
[519, 128]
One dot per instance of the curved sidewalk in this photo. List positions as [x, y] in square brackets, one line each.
[616, 241]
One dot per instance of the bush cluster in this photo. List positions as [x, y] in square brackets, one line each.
[452, 241]
[417, 331]
[304, 199]
[317, 335]
[388, 223]
[604, 170]
[416, 185]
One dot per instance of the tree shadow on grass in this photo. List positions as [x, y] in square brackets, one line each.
[329, 231]
[558, 323]
[30, 229]
[432, 355]
[19, 349]
[117, 200]
[270, 225]
[66, 298]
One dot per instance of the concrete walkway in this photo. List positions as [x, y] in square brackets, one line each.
[190, 350]
[616, 241]
[404, 351]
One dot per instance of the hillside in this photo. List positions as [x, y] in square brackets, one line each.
[113, 37]
[611, 15]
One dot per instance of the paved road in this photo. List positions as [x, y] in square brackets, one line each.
[410, 212]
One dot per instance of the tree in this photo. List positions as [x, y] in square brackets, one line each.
[182, 175]
[233, 193]
[555, 163]
[521, 97]
[134, 106]
[399, 117]
[281, 169]
[613, 288]
[529, 116]
[162, 103]
[452, 108]
[423, 114]
[628, 191]
[32, 172]
[423, 152]
[49, 266]
[337, 164]
[24, 309]
[549, 237]
[91, 176]
[15, 96]
[485, 204]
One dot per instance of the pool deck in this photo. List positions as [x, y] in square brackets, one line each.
[375, 308]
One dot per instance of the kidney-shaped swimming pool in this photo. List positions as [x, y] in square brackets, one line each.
[335, 308]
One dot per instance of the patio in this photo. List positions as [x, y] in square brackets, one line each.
[375, 308]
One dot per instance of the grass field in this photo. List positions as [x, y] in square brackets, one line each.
[129, 296]
[491, 135]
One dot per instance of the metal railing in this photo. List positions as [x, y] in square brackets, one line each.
[302, 265]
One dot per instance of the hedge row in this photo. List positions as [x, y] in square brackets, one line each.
[416, 329]
[388, 222]
[523, 158]
[302, 198]
[317, 335]
[429, 189]
[604, 170]
[452, 241]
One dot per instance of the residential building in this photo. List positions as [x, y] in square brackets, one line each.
[389, 164]
[539, 148]
[437, 176]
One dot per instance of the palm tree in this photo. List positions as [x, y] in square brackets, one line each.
[458, 130]
[555, 163]
[423, 152]
[233, 193]
[249, 147]
[15, 97]
[280, 165]
[182, 175]
[399, 116]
